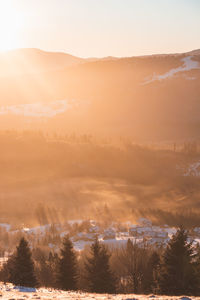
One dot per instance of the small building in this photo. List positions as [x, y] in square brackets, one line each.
[133, 231]
[109, 234]
[83, 236]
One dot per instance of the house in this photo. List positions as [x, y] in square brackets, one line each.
[109, 234]
[83, 236]
[133, 231]
[157, 240]
[162, 234]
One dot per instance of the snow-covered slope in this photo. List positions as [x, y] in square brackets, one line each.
[188, 64]
[37, 109]
[10, 292]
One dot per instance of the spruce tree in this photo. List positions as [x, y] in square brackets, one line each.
[67, 267]
[21, 271]
[178, 272]
[99, 275]
[7, 270]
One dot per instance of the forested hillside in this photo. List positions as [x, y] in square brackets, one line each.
[76, 176]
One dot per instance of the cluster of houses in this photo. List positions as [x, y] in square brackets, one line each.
[151, 234]
[140, 233]
[84, 232]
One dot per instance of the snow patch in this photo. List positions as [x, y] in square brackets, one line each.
[8, 291]
[193, 170]
[24, 289]
[188, 64]
[37, 230]
[48, 110]
[5, 226]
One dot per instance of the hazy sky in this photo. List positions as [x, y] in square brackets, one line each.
[101, 27]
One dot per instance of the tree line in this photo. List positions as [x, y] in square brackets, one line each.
[173, 270]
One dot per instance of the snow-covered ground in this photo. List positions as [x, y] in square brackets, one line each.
[48, 110]
[5, 226]
[193, 169]
[188, 64]
[11, 292]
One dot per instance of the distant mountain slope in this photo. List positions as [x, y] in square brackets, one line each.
[154, 97]
[25, 61]
[194, 52]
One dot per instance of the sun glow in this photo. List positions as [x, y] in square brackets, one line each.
[10, 26]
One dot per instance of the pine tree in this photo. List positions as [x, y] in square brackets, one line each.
[21, 271]
[99, 275]
[7, 269]
[67, 267]
[178, 273]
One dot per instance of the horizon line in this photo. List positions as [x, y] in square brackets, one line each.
[95, 57]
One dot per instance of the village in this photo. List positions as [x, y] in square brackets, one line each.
[84, 232]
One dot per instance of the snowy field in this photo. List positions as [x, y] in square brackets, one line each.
[10, 292]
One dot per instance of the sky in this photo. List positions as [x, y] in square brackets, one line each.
[97, 28]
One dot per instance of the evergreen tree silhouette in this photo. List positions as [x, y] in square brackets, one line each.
[67, 267]
[99, 275]
[178, 269]
[21, 271]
